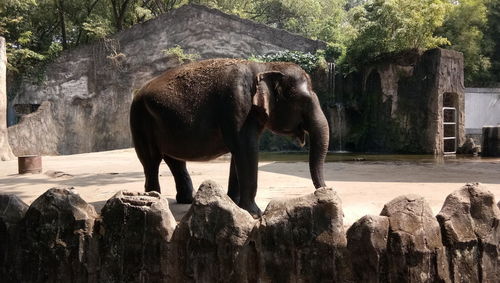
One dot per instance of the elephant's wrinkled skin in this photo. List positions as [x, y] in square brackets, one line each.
[204, 109]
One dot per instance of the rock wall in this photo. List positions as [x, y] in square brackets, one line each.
[33, 142]
[90, 88]
[5, 150]
[60, 238]
[395, 104]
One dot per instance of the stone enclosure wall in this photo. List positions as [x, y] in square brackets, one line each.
[90, 89]
[395, 104]
[60, 238]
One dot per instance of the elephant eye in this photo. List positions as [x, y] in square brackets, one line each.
[278, 89]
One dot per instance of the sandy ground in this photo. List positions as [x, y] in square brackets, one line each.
[364, 187]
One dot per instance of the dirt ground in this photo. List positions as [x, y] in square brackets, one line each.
[363, 186]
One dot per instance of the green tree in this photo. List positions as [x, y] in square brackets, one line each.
[37, 30]
[307, 61]
[21, 41]
[120, 9]
[464, 27]
[317, 19]
[492, 35]
[386, 26]
[158, 7]
[240, 8]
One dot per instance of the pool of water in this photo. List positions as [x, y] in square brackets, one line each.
[366, 157]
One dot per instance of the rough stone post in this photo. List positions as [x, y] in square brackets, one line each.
[470, 222]
[367, 245]
[12, 210]
[416, 253]
[210, 242]
[5, 150]
[303, 240]
[56, 243]
[135, 231]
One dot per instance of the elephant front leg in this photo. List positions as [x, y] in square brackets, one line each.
[233, 187]
[246, 154]
[246, 167]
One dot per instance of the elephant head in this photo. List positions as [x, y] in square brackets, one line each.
[285, 96]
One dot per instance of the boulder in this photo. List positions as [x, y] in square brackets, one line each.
[469, 147]
[367, 246]
[56, 239]
[134, 235]
[470, 222]
[209, 244]
[12, 210]
[303, 239]
[415, 251]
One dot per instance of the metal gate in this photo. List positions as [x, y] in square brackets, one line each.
[449, 130]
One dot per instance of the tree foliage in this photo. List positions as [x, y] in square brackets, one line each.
[307, 61]
[321, 19]
[386, 26]
[356, 31]
[464, 27]
[492, 35]
[181, 55]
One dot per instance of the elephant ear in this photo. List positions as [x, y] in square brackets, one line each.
[267, 87]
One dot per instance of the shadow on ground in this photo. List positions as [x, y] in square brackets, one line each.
[80, 180]
[456, 172]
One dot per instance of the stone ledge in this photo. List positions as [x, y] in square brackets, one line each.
[135, 239]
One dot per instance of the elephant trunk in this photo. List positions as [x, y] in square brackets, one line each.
[317, 127]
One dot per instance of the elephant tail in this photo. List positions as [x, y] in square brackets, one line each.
[139, 118]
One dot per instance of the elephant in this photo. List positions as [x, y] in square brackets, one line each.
[201, 110]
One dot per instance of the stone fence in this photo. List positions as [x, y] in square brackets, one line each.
[61, 238]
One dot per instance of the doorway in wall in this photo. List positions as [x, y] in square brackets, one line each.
[21, 110]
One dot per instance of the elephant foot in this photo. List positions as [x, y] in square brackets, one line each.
[234, 198]
[184, 198]
[152, 190]
[253, 209]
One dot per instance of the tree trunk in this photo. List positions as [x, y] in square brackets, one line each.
[119, 12]
[5, 150]
[60, 9]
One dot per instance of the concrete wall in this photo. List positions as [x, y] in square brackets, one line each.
[5, 150]
[482, 108]
[90, 88]
[38, 122]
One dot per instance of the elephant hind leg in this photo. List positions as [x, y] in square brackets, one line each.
[145, 148]
[151, 172]
[183, 183]
[150, 162]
